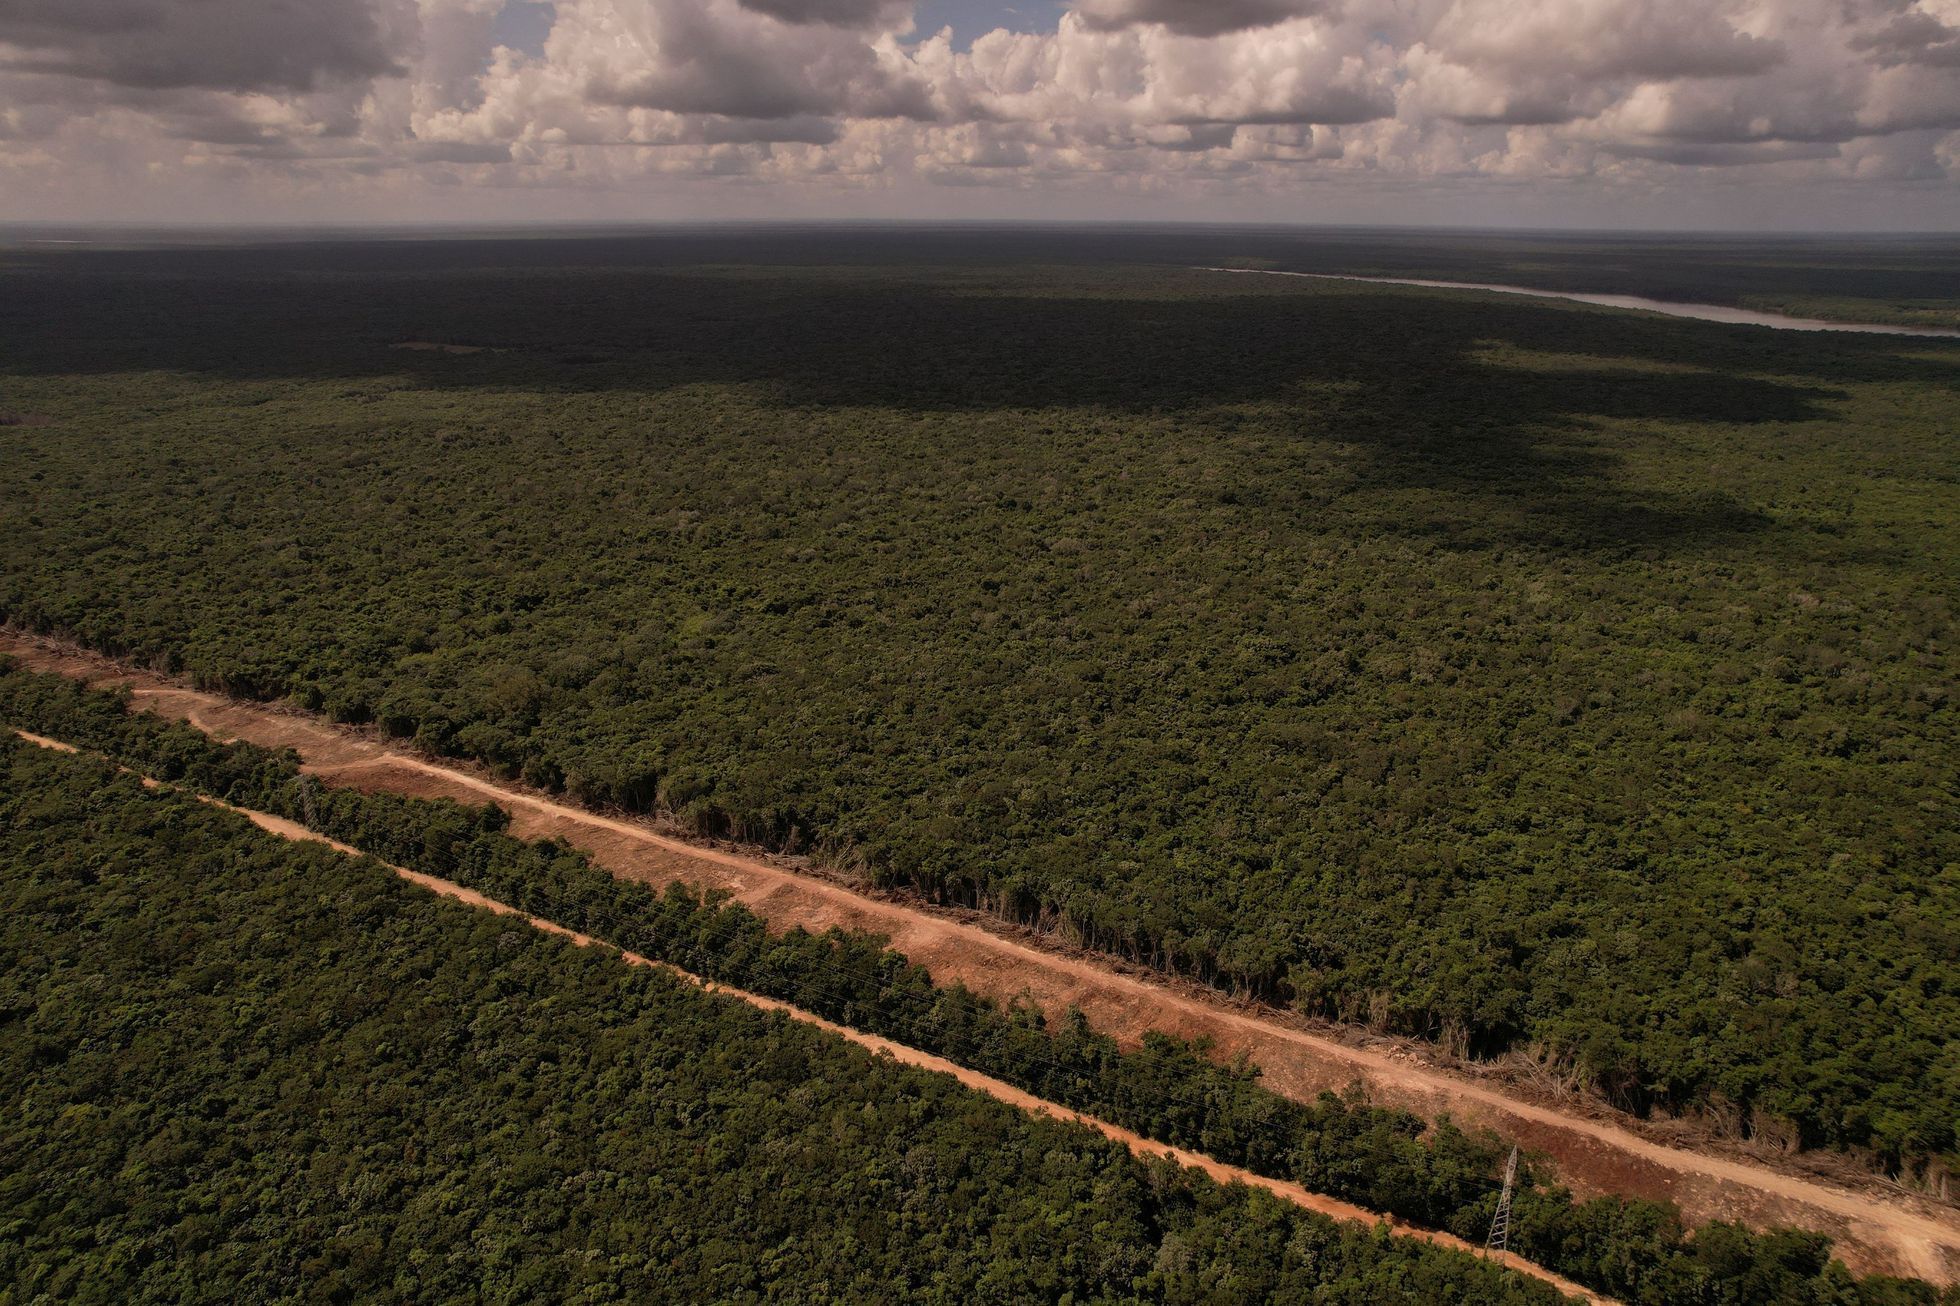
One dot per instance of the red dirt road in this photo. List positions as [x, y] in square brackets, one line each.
[1876, 1231]
[911, 1056]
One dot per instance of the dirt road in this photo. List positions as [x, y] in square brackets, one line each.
[1875, 1231]
[911, 1056]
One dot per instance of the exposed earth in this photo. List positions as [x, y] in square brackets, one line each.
[1875, 1230]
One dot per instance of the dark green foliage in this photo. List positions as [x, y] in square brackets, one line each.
[1384, 1159]
[1499, 671]
[1904, 280]
[243, 1069]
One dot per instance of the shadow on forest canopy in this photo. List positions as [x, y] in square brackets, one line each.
[1403, 376]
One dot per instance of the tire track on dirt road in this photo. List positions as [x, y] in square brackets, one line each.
[1875, 1231]
[1318, 1203]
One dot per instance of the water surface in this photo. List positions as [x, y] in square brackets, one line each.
[1673, 308]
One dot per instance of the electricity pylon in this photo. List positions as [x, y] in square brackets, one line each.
[1500, 1224]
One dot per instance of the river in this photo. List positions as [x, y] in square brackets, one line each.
[1705, 312]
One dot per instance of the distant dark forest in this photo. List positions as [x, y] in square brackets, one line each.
[1900, 279]
[1516, 674]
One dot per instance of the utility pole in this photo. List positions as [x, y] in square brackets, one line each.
[1500, 1224]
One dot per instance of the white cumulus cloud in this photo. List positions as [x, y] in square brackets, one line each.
[1234, 104]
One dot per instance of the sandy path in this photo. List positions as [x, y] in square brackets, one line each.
[995, 1088]
[1876, 1231]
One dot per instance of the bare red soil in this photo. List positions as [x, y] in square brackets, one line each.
[1005, 1092]
[1876, 1230]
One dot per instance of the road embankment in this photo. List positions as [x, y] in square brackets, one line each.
[1875, 1230]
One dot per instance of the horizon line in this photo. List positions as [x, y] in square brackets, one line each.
[412, 227]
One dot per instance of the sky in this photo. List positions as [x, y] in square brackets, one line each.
[1658, 114]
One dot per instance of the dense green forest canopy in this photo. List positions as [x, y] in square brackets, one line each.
[240, 1065]
[1488, 669]
[1430, 1173]
[1903, 279]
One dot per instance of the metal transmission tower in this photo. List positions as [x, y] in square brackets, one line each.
[1500, 1224]
[306, 801]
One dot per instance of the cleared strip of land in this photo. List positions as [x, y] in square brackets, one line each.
[1000, 1089]
[1875, 1231]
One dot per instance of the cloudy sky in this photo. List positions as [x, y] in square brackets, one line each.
[1822, 114]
